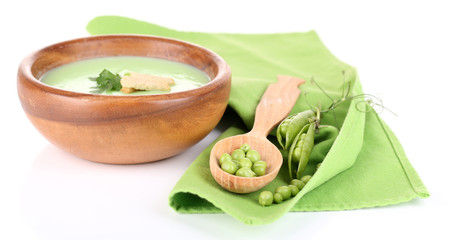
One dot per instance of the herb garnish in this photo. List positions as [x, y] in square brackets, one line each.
[106, 81]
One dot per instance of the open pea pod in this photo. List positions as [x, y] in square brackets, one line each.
[282, 130]
[289, 128]
[306, 150]
[295, 152]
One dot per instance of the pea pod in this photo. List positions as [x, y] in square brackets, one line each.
[300, 150]
[283, 126]
[292, 154]
[291, 126]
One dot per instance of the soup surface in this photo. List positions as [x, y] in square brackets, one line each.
[77, 76]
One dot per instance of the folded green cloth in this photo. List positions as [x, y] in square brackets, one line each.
[366, 165]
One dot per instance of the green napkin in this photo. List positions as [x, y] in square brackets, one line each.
[365, 166]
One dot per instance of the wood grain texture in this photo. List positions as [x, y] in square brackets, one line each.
[123, 129]
[275, 105]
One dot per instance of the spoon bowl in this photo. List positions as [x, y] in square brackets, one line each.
[268, 152]
[277, 101]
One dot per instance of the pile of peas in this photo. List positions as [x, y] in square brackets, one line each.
[282, 193]
[243, 162]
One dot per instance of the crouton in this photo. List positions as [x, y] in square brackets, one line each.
[127, 90]
[138, 81]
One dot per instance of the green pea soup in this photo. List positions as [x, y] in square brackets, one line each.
[77, 76]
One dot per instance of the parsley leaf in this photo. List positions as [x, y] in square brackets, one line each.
[106, 81]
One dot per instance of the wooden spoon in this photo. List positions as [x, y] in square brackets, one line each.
[275, 105]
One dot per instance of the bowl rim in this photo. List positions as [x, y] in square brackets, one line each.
[222, 76]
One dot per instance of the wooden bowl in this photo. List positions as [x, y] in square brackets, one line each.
[268, 152]
[123, 129]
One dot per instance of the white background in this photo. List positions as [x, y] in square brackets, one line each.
[403, 54]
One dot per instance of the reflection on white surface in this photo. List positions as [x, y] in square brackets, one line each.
[65, 197]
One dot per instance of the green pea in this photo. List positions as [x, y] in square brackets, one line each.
[245, 147]
[265, 198]
[294, 190]
[237, 163]
[296, 154]
[245, 172]
[224, 156]
[278, 198]
[229, 167]
[285, 191]
[298, 183]
[306, 178]
[238, 154]
[245, 162]
[253, 155]
[301, 140]
[260, 162]
[259, 168]
[284, 127]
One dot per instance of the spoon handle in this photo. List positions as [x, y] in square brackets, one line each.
[275, 105]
